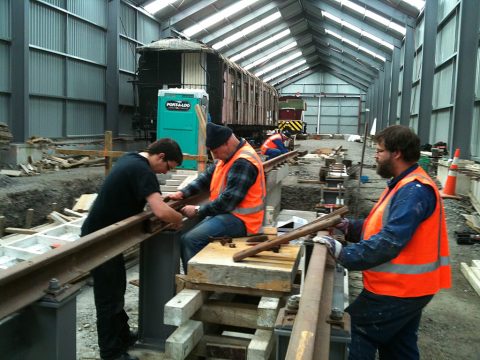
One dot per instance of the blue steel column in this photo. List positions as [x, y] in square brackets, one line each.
[20, 70]
[465, 87]
[112, 76]
[381, 96]
[407, 77]
[392, 115]
[386, 93]
[428, 71]
[375, 105]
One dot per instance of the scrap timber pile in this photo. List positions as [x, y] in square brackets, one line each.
[5, 135]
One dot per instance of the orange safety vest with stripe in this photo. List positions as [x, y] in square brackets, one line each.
[251, 209]
[423, 265]
[269, 143]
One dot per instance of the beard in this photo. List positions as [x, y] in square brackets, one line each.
[385, 170]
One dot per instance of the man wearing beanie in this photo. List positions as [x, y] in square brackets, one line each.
[236, 182]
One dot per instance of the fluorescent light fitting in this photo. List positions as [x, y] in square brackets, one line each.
[271, 55]
[247, 30]
[157, 5]
[354, 45]
[358, 30]
[261, 45]
[287, 69]
[279, 63]
[219, 16]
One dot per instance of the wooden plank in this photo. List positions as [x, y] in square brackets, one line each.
[182, 306]
[223, 313]
[470, 276]
[183, 340]
[220, 341]
[261, 345]
[476, 263]
[271, 271]
[8, 172]
[267, 311]
[115, 154]
[107, 149]
[14, 230]
[84, 203]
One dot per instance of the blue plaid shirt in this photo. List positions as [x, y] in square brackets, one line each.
[240, 178]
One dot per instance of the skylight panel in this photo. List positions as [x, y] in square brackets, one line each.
[271, 55]
[357, 30]
[247, 30]
[219, 16]
[279, 63]
[157, 5]
[292, 75]
[374, 16]
[419, 4]
[287, 69]
[261, 45]
[357, 46]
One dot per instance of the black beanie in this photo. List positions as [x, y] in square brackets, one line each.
[217, 135]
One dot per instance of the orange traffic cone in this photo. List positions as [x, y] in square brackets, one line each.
[449, 188]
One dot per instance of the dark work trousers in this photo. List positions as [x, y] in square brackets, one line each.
[387, 324]
[110, 281]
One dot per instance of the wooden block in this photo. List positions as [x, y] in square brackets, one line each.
[84, 203]
[220, 341]
[13, 230]
[471, 277]
[476, 263]
[267, 311]
[182, 306]
[261, 345]
[183, 340]
[267, 270]
[14, 173]
[270, 230]
[233, 314]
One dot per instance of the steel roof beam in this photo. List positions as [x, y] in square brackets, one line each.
[198, 6]
[380, 8]
[344, 77]
[355, 65]
[347, 70]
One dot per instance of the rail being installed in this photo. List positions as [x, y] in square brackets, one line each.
[26, 282]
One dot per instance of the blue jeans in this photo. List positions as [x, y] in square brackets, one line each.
[197, 238]
[272, 153]
[387, 324]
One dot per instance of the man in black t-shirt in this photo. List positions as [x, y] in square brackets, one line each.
[131, 184]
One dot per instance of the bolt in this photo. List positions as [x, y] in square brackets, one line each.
[53, 284]
[336, 314]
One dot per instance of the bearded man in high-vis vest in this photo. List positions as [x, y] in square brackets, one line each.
[402, 249]
[236, 182]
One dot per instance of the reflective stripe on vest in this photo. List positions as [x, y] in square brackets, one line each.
[422, 267]
[251, 209]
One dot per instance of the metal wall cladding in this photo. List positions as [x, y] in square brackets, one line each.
[148, 30]
[5, 22]
[85, 81]
[445, 6]
[127, 55]
[46, 117]
[446, 44]
[86, 41]
[5, 83]
[59, 3]
[125, 122]
[440, 125]
[193, 70]
[476, 131]
[126, 23]
[92, 10]
[47, 74]
[477, 77]
[442, 86]
[47, 27]
[85, 119]
[125, 89]
[5, 109]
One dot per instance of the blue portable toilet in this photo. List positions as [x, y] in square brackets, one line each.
[177, 119]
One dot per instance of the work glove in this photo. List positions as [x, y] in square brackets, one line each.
[334, 247]
[343, 225]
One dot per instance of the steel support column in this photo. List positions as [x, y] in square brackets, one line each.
[407, 77]
[428, 71]
[381, 98]
[20, 70]
[466, 77]
[386, 92]
[112, 76]
[392, 116]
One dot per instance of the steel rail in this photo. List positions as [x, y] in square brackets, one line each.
[272, 163]
[26, 282]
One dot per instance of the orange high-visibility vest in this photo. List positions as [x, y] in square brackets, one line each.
[269, 143]
[423, 265]
[251, 209]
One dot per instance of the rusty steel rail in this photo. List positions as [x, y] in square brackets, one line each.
[26, 282]
[310, 338]
[272, 163]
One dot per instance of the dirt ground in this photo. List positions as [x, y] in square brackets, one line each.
[450, 324]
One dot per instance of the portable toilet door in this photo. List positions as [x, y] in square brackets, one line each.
[177, 119]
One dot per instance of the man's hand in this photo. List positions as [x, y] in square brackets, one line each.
[176, 196]
[343, 225]
[334, 247]
[190, 211]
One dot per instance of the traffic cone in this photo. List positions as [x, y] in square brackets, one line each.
[449, 188]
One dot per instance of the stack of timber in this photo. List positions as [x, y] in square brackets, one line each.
[472, 274]
[5, 135]
[227, 309]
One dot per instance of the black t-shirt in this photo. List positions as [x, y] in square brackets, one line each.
[123, 194]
